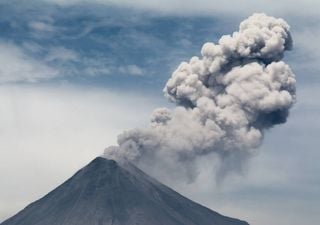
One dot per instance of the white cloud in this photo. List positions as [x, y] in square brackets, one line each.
[62, 54]
[18, 63]
[17, 66]
[131, 70]
[47, 133]
[41, 26]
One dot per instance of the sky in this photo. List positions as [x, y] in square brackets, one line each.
[74, 74]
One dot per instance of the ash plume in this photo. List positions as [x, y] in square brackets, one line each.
[225, 101]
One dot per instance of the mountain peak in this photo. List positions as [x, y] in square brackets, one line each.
[102, 160]
[107, 193]
[102, 163]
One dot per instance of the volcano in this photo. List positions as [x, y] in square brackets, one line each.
[108, 193]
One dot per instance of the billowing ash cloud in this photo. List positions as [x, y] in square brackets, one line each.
[225, 100]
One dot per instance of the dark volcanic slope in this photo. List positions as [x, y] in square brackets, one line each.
[104, 193]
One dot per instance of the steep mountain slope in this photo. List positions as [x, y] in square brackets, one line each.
[105, 193]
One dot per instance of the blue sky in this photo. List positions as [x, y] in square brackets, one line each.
[74, 74]
[106, 45]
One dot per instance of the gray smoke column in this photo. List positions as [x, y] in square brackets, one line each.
[226, 99]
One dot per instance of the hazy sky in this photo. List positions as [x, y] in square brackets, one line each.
[74, 74]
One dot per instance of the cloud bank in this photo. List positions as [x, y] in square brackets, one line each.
[225, 99]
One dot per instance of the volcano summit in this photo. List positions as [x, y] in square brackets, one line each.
[108, 193]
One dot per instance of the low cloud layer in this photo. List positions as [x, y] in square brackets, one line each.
[226, 99]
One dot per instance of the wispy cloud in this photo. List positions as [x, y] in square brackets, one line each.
[40, 26]
[17, 66]
[131, 70]
[62, 54]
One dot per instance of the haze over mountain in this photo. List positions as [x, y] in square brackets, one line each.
[107, 193]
